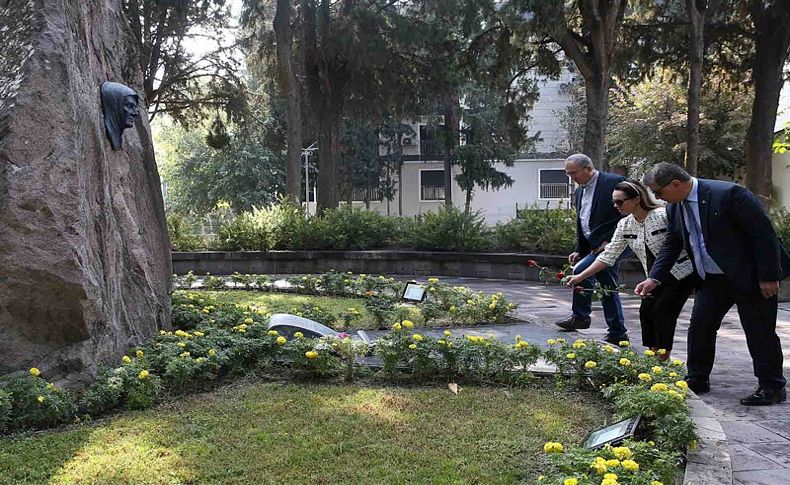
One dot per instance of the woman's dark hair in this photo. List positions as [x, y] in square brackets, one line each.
[632, 188]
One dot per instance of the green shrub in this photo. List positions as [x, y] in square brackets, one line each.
[549, 231]
[5, 410]
[181, 236]
[781, 220]
[450, 229]
[245, 232]
[289, 227]
[354, 229]
[36, 403]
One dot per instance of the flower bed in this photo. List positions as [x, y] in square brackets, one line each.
[213, 341]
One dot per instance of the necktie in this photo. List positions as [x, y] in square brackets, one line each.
[695, 236]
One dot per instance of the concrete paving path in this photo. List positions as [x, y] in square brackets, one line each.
[759, 437]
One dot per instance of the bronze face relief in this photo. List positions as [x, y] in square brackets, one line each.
[120, 104]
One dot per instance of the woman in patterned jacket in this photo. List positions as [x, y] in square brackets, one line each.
[644, 230]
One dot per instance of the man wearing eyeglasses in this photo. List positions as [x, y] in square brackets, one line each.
[596, 220]
[739, 260]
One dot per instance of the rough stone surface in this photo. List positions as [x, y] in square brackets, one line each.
[84, 254]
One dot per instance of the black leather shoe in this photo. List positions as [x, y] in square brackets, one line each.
[616, 340]
[699, 386]
[572, 323]
[765, 396]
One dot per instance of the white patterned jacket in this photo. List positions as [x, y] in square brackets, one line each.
[635, 235]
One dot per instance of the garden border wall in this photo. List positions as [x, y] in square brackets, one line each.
[506, 266]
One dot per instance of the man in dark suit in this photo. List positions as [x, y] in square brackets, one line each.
[739, 260]
[596, 220]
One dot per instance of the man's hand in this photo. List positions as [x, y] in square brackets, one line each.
[572, 258]
[769, 288]
[646, 287]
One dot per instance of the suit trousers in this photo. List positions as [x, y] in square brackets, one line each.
[714, 297]
[659, 312]
[612, 309]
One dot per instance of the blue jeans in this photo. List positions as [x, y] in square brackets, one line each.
[612, 310]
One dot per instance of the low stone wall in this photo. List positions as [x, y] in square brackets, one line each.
[509, 266]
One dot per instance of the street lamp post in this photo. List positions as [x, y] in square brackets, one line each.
[306, 155]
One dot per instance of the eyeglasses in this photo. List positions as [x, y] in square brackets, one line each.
[658, 190]
[620, 202]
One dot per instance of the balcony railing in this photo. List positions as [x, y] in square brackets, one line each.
[358, 194]
[555, 191]
[432, 192]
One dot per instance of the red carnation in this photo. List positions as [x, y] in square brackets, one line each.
[532, 262]
[560, 275]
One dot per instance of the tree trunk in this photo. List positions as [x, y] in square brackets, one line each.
[597, 91]
[772, 39]
[400, 189]
[329, 177]
[290, 91]
[696, 12]
[452, 109]
[468, 203]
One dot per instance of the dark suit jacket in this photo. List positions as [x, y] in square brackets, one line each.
[603, 217]
[738, 236]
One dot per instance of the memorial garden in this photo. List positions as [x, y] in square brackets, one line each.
[324, 241]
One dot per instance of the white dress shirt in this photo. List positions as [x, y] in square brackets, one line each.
[586, 205]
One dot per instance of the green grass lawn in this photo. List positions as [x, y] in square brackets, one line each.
[307, 433]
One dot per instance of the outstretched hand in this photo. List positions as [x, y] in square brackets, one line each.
[574, 281]
[769, 288]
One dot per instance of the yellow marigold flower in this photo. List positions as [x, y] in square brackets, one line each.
[590, 364]
[298, 335]
[675, 394]
[630, 465]
[198, 334]
[622, 452]
[551, 341]
[570, 355]
[184, 354]
[182, 344]
[433, 281]
[570, 481]
[212, 352]
[522, 344]
[200, 360]
[181, 333]
[660, 387]
[407, 324]
[610, 476]
[579, 345]
[625, 362]
[561, 340]
[492, 306]
[412, 346]
[41, 399]
[677, 362]
[682, 385]
[452, 308]
[552, 447]
[644, 376]
[624, 343]
[651, 443]
[162, 332]
[249, 321]
[662, 351]
[396, 326]
[611, 463]
[441, 342]
[609, 481]
[541, 478]
[599, 467]
[657, 369]
[205, 310]
[311, 354]
[417, 337]
[447, 333]
[142, 375]
[126, 359]
[608, 349]
[649, 353]
[139, 354]
[35, 372]
[272, 333]
[470, 302]
[281, 340]
[673, 374]
[656, 482]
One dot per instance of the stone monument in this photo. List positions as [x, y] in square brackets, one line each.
[84, 253]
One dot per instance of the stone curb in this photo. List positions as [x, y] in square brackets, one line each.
[710, 462]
